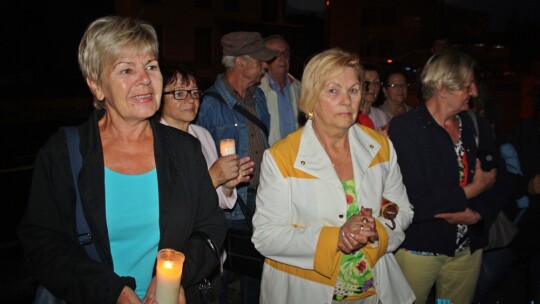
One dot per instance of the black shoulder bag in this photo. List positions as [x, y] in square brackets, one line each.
[43, 296]
[207, 290]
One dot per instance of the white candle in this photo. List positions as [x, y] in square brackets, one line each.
[227, 147]
[168, 272]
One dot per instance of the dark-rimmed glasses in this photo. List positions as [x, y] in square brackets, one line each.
[286, 54]
[182, 94]
[398, 85]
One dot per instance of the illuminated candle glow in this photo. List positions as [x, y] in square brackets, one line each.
[168, 272]
[227, 147]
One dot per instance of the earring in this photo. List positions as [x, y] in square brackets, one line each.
[310, 115]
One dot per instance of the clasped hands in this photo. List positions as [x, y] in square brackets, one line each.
[359, 230]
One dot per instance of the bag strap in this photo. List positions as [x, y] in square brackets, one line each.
[248, 215]
[242, 111]
[85, 236]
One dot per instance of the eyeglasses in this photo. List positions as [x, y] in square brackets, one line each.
[286, 53]
[371, 84]
[182, 94]
[398, 85]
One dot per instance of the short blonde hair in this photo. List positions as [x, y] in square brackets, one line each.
[321, 67]
[449, 69]
[107, 37]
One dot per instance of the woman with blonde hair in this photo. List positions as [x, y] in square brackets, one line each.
[437, 147]
[143, 186]
[320, 221]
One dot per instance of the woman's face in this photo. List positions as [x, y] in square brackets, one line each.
[185, 110]
[339, 101]
[372, 77]
[395, 90]
[131, 86]
[458, 100]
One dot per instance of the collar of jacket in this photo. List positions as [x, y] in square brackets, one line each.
[312, 158]
[427, 120]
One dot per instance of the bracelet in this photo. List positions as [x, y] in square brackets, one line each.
[227, 189]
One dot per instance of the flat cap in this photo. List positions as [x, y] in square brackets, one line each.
[246, 43]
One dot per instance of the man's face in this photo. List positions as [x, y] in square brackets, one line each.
[279, 66]
[252, 69]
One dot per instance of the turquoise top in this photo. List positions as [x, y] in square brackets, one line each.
[132, 209]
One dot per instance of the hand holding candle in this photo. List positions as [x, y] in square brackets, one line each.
[227, 147]
[168, 272]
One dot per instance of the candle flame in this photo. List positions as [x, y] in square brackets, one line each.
[168, 264]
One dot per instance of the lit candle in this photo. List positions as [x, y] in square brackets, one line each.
[226, 147]
[168, 272]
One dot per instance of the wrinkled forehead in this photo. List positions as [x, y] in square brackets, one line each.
[277, 44]
[396, 77]
[333, 74]
[371, 74]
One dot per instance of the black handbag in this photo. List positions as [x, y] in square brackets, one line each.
[242, 257]
[207, 291]
[43, 296]
[501, 232]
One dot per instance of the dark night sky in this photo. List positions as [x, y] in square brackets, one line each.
[500, 11]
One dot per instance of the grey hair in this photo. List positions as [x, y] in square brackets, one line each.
[228, 61]
[447, 70]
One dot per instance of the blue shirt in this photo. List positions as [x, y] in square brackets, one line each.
[287, 119]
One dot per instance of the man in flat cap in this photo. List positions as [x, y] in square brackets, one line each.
[234, 107]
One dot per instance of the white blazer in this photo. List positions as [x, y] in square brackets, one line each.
[301, 204]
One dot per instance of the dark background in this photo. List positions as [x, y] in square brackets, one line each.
[42, 88]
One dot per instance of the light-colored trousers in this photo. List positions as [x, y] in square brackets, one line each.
[454, 277]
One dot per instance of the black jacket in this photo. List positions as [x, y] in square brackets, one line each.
[428, 163]
[48, 234]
